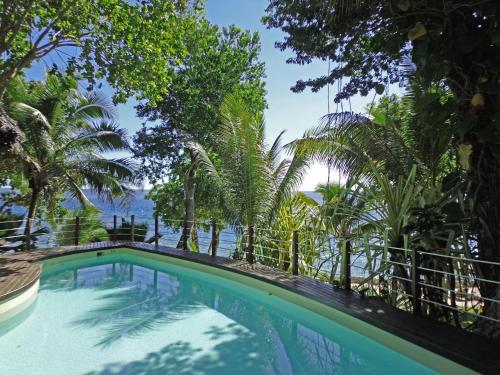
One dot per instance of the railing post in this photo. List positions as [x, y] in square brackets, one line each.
[347, 266]
[77, 230]
[250, 257]
[132, 228]
[115, 228]
[214, 238]
[295, 249]
[157, 232]
[185, 235]
[415, 278]
[29, 226]
[386, 247]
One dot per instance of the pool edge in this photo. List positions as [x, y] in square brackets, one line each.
[390, 340]
[19, 301]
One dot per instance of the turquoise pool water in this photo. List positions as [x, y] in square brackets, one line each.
[125, 314]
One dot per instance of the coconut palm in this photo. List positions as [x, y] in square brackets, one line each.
[254, 179]
[65, 135]
[395, 136]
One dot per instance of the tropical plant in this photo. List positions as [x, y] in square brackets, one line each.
[368, 40]
[219, 61]
[343, 215]
[253, 178]
[66, 134]
[274, 241]
[90, 228]
[396, 134]
[398, 160]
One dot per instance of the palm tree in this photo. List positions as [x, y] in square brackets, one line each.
[252, 176]
[402, 154]
[342, 213]
[396, 135]
[65, 135]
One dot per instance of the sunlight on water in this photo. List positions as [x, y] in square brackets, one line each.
[121, 314]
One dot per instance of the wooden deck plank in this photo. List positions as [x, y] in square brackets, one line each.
[18, 272]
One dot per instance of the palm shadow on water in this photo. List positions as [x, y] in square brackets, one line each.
[240, 355]
[134, 311]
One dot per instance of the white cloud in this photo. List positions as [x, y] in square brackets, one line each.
[318, 174]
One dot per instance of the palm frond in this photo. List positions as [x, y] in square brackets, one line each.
[103, 136]
[92, 106]
[201, 158]
[290, 182]
[28, 114]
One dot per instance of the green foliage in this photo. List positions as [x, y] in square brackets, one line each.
[251, 175]
[66, 133]
[90, 229]
[218, 62]
[400, 133]
[169, 200]
[450, 44]
[133, 45]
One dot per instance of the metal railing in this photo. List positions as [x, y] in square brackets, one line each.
[447, 286]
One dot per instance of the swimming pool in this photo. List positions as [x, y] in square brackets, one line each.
[130, 313]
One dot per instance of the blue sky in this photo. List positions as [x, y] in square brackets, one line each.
[288, 111]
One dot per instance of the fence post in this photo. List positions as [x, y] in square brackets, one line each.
[386, 247]
[77, 230]
[157, 231]
[347, 265]
[214, 238]
[132, 228]
[115, 229]
[29, 226]
[295, 260]
[185, 235]
[415, 278]
[251, 234]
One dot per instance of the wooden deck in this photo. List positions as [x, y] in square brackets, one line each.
[18, 272]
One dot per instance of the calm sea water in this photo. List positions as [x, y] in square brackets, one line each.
[138, 205]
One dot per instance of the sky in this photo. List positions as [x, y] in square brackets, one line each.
[293, 112]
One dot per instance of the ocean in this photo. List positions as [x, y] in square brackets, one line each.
[138, 205]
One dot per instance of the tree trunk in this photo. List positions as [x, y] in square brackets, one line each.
[10, 134]
[31, 213]
[189, 206]
[214, 244]
[485, 193]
